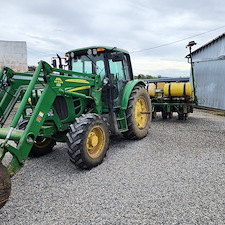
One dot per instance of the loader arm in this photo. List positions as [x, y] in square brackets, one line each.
[84, 87]
[82, 106]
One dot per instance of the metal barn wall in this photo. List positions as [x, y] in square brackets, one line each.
[209, 73]
[14, 55]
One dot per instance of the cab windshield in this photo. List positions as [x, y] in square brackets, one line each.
[91, 64]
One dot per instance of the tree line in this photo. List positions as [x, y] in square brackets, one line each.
[143, 76]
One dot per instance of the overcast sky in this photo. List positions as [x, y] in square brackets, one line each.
[56, 26]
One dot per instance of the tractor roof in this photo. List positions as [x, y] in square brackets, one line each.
[106, 47]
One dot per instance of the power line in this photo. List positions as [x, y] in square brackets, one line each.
[174, 42]
[34, 50]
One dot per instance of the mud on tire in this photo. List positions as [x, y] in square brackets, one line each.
[5, 186]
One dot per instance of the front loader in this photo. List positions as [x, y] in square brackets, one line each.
[95, 98]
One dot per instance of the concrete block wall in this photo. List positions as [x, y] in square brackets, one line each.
[13, 54]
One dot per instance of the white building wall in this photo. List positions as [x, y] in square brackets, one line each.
[13, 54]
[209, 73]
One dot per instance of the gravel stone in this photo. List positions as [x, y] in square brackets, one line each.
[173, 176]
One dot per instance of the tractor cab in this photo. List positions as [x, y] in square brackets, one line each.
[101, 61]
[113, 65]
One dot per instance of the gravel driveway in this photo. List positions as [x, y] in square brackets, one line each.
[173, 176]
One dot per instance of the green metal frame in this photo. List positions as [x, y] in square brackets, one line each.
[173, 104]
[86, 87]
[37, 92]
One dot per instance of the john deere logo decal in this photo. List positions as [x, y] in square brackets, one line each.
[58, 81]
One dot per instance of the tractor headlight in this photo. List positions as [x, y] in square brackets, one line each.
[95, 51]
[72, 54]
[89, 52]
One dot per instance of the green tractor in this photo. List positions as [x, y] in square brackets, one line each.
[95, 97]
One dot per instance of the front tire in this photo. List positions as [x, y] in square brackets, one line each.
[5, 186]
[41, 146]
[139, 113]
[88, 141]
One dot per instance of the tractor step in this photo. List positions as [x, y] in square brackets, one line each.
[122, 124]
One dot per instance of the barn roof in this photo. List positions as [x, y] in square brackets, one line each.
[207, 44]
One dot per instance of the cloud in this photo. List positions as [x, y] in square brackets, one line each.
[51, 27]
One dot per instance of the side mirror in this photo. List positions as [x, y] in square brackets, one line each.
[54, 63]
[117, 56]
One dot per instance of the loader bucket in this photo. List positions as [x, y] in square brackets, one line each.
[5, 186]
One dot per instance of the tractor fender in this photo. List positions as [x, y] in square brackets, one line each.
[127, 91]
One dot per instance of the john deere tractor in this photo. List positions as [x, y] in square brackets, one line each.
[83, 105]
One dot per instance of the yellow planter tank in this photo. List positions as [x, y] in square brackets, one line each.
[151, 89]
[178, 89]
[160, 85]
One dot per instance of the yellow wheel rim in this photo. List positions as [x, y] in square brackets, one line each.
[95, 141]
[141, 108]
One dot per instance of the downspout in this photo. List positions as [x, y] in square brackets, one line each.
[190, 44]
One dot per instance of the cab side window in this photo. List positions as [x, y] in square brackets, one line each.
[116, 68]
[119, 69]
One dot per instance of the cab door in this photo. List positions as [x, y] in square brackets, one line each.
[119, 70]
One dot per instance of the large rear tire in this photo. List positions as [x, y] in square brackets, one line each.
[5, 186]
[88, 141]
[41, 146]
[139, 113]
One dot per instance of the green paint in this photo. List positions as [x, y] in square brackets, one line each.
[55, 97]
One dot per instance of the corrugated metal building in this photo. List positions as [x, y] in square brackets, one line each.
[14, 55]
[209, 73]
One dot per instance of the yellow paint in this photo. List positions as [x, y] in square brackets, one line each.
[151, 89]
[95, 141]
[58, 80]
[160, 85]
[78, 81]
[178, 89]
[80, 88]
[141, 106]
